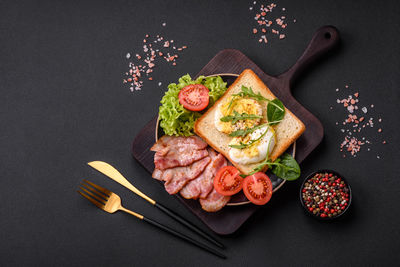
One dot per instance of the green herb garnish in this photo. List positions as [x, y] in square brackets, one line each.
[237, 117]
[244, 145]
[247, 91]
[274, 114]
[250, 130]
[284, 167]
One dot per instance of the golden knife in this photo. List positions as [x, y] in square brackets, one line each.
[114, 174]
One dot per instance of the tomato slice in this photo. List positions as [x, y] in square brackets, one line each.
[227, 181]
[258, 188]
[194, 97]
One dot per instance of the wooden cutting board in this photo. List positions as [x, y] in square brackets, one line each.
[229, 219]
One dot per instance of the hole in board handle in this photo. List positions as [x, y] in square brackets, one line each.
[327, 35]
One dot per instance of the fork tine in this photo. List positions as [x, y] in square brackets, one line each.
[103, 190]
[95, 202]
[96, 197]
[94, 191]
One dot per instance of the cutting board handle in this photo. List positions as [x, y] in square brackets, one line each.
[324, 39]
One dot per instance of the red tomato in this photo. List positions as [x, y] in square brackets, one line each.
[258, 188]
[227, 181]
[194, 97]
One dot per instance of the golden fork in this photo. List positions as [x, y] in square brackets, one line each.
[114, 174]
[111, 202]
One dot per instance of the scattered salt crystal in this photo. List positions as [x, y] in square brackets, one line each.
[141, 67]
[350, 108]
[164, 24]
[356, 122]
[159, 84]
[264, 18]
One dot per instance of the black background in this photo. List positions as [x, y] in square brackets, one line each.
[63, 104]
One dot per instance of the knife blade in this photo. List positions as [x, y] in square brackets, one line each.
[114, 174]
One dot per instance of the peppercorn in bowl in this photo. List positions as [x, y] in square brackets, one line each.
[325, 194]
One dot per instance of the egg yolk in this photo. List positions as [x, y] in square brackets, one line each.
[240, 105]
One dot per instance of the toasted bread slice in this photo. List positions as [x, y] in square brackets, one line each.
[287, 131]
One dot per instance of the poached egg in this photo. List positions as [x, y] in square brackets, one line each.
[240, 105]
[257, 151]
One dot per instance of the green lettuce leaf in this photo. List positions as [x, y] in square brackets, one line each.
[178, 121]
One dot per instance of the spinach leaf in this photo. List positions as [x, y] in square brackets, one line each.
[275, 114]
[284, 167]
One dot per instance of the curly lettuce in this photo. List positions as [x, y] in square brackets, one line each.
[174, 118]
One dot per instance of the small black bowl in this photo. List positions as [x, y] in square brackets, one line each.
[339, 176]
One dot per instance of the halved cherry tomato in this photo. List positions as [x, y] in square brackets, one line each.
[227, 181]
[258, 188]
[194, 97]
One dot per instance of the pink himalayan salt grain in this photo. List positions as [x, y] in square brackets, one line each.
[351, 144]
[144, 64]
[264, 18]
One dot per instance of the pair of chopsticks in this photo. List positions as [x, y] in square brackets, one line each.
[114, 174]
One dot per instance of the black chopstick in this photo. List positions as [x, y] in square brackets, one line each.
[184, 237]
[188, 224]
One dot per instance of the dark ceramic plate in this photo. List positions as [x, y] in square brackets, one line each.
[240, 198]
